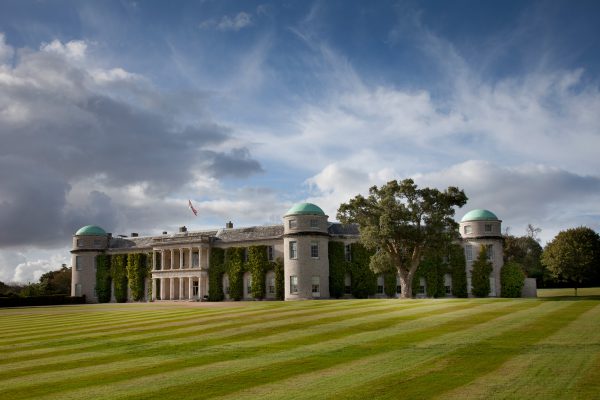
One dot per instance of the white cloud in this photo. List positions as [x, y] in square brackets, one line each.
[229, 23]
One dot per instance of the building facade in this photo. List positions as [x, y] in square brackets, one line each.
[181, 261]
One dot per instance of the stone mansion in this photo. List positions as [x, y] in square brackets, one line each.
[180, 262]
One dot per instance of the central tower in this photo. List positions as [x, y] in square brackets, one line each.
[305, 250]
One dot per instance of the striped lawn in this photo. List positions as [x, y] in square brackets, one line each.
[350, 349]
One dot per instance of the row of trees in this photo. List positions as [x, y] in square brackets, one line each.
[50, 283]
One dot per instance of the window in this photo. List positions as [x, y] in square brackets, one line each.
[271, 286]
[316, 286]
[314, 223]
[78, 289]
[195, 259]
[157, 259]
[195, 288]
[293, 250]
[488, 227]
[249, 286]
[78, 263]
[448, 290]
[293, 284]
[467, 229]
[490, 251]
[348, 252]
[398, 289]
[293, 224]
[95, 291]
[270, 253]
[421, 289]
[79, 242]
[347, 284]
[245, 257]
[96, 242]
[469, 252]
[314, 249]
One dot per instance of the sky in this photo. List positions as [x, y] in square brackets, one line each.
[116, 113]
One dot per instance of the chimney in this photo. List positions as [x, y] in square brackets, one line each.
[182, 229]
[229, 225]
[164, 232]
[134, 234]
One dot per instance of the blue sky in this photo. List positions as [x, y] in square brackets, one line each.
[117, 112]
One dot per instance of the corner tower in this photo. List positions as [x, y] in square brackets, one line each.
[305, 250]
[482, 228]
[88, 242]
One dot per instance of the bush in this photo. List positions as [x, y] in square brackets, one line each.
[258, 264]
[234, 266]
[277, 266]
[215, 274]
[137, 271]
[512, 279]
[457, 266]
[103, 278]
[118, 271]
[50, 300]
[337, 269]
[364, 281]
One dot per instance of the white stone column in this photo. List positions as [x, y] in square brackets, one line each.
[191, 259]
[153, 289]
[180, 258]
[162, 288]
[162, 260]
[171, 289]
[190, 288]
[180, 288]
[207, 257]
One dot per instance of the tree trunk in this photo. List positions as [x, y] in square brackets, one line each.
[405, 285]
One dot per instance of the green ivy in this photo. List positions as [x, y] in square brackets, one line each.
[364, 281]
[512, 278]
[258, 264]
[480, 275]
[390, 283]
[337, 269]
[118, 272]
[103, 279]
[234, 266]
[432, 269]
[215, 274]
[458, 265]
[137, 271]
[277, 266]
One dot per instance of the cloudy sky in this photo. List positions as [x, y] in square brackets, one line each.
[116, 113]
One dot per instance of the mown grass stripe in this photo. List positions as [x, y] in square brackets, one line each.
[210, 357]
[470, 362]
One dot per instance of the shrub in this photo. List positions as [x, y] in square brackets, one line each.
[118, 271]
[480, 276]
[337, 269]
[137, 271]
[103, 278]
[512, 279]
[277, 266]
[258, 264]
[457, 266]
[215, 274]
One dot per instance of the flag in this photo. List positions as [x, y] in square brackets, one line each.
[192, 208]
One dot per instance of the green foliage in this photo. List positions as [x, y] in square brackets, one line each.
[103, 278]
[364, 280]
[389, 284]
[234, 266]
[433, 270]
[527, 252]
[403, 221]
[457, 265]
[56, 282]
[337, 269]
[480, 275]
[258, 264]
[118, 272]
[215, 274]
[137, 271]
[512, 279]
[277, 266]
[574, 256]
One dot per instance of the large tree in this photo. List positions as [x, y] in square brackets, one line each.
[574, 256]
[400, 222]
[526, 251]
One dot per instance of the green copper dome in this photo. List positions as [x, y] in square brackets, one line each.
[90, 230]
[479, 215]
[306, 209]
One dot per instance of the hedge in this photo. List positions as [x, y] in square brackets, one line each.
[512, 278]
[277, 266]
[258, 264]
[49, 300]
[458, 264]
[103, 278]
[118, 271]
[337, 269]
[137, 271]
[480, 275]
[215, 274]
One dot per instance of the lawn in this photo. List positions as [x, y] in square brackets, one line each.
[347, 349]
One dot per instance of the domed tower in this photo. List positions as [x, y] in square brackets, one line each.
[481, 228]
[88, 242]
[306, 258]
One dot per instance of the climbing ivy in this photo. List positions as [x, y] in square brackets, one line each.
[277, 266]
[364, 281]
[103, 280]
[234, 266]
[457, 266]
[137, 271]
[215, 274]
[390, 283]
[337, 269]
[258, 264]
[480, 275]
[118, 272]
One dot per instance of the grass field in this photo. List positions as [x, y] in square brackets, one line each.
[350, 349]
[594, 291]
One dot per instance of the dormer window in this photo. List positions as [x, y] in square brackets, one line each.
[467, 229]
[488, 228]
[314, 223]
[293, 224]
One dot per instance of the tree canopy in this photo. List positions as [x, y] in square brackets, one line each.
[400, 221]
[526, 251]
[574, 256]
